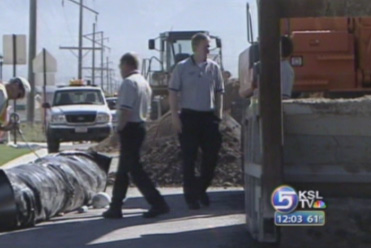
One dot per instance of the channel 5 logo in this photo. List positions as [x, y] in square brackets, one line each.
[285, 199]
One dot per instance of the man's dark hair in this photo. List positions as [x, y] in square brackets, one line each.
[197, 38]
[287, 46]
[130, 59]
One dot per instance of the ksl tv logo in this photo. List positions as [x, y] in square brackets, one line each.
[286, 199]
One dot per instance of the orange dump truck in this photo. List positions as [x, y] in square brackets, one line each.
[331, 54]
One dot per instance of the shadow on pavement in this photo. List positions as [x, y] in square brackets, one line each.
[221, 225]
[222, 237]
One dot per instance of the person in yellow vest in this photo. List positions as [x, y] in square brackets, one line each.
[16, 88]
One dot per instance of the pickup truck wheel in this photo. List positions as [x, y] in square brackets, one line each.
[53, 144]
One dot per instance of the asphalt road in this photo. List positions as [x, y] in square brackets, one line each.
[221, 226]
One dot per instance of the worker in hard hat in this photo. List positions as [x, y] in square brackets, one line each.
[16, 88]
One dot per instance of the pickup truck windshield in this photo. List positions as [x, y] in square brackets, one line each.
[76, 97]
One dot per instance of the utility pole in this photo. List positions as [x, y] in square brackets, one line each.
[101, 45]
[102, 62]
[1, 67]
[14, 75]
[110, 81]
[31, 56]
[79, 75]
[93, 58]
[80, 47]
[107, 75]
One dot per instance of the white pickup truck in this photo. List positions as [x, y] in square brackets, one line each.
[77, 113]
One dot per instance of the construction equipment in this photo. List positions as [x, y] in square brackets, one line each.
[309, 144]
[320, 64]
[339, 69]
[174, 47]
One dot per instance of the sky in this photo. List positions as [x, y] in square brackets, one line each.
[128, 24]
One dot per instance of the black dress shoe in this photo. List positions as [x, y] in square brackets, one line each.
[113, 213]
[204, 199]
[156, 211]
[193, 205]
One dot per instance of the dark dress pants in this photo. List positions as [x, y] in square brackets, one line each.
[199, 130]
[131, 140]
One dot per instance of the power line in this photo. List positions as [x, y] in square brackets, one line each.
[68, 25]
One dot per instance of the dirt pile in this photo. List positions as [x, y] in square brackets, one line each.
[161, 154]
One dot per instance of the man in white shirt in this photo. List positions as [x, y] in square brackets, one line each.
[132, 110]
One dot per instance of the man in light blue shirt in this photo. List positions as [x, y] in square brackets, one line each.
[196, 90]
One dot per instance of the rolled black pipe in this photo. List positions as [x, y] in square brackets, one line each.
[37, 191]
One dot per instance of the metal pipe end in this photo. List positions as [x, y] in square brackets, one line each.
[8, 208]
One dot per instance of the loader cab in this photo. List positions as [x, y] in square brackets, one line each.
[174, 47]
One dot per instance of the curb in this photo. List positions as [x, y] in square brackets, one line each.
[24, 159]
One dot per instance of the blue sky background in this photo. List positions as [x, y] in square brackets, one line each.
[128, 24]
